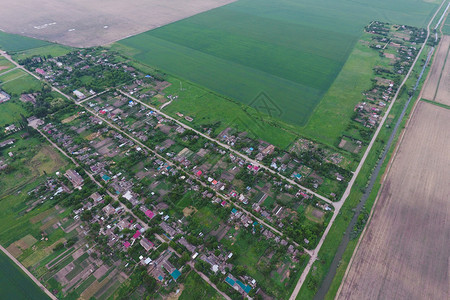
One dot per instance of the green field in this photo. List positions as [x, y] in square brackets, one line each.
[17, 285]
[196, 288]
[291, 50]
[13, 43]
[446, 26]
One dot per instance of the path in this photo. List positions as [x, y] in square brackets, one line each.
[28, 274]
[338, 205]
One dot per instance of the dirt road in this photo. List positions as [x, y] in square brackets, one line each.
[404, 251]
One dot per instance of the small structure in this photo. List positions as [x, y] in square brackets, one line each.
[4, 96]
[75, 178]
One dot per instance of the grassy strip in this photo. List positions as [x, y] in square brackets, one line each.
[436, 103]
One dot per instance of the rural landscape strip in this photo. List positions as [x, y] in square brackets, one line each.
[339, 204]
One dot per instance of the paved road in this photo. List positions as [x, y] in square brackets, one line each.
[28, 273]
[338, 205]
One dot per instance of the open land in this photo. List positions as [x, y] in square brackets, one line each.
[292, 53]
[403, 253]
[17, 285]
[89, 23]
[437, 87]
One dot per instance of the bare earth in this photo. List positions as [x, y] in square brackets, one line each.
[404, 253]
[86, 23]
[437, 86]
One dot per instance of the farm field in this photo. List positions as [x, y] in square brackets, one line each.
[402, 252]
[12, 42]
[446, 26]
[16, 285]
[87, 23]
[293, 53]
[437, 87]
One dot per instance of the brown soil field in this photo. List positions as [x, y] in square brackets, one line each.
[404, 252]
[437, 86]
[87, 23]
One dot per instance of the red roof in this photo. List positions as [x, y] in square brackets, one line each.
[149, 214]
[199, 173]
[137, 234]
[214, 182]
[40, 71]
[224, 203]
[127, 244]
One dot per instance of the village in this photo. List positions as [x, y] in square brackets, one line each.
[146, 195]
[397, 46]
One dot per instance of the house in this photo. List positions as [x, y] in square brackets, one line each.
[40, 71]
[74, 178]
[77, 93]
[137, 234]
[123, 224]
[146, 244]
[7, 142]
[108, 210]
[4, 96]
[149, 214]
[96, 197]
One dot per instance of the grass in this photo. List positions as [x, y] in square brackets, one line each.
[13, 42]
[53, 50]
[337, 104]
[17, 285]
[10, 112]
[5, 65]
[446, 25]
[290, 50]
[207, 219]
[196, 288]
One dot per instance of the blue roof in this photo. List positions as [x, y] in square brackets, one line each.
[246, 288]
[175, 274]
[234, 211]
[148, 76]
[160, 277]
[106, 177]
[298, 176]
[229, 281]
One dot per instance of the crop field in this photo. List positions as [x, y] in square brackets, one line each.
[437, 87]
[12, 42]
[87, 23]
[404, 253]
[17, 285]
[291, 50]
[446, 26]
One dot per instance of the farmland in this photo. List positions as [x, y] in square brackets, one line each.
[17, 285]
[86, 23]
[293, 54]
[436, 87]
[401, 253]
